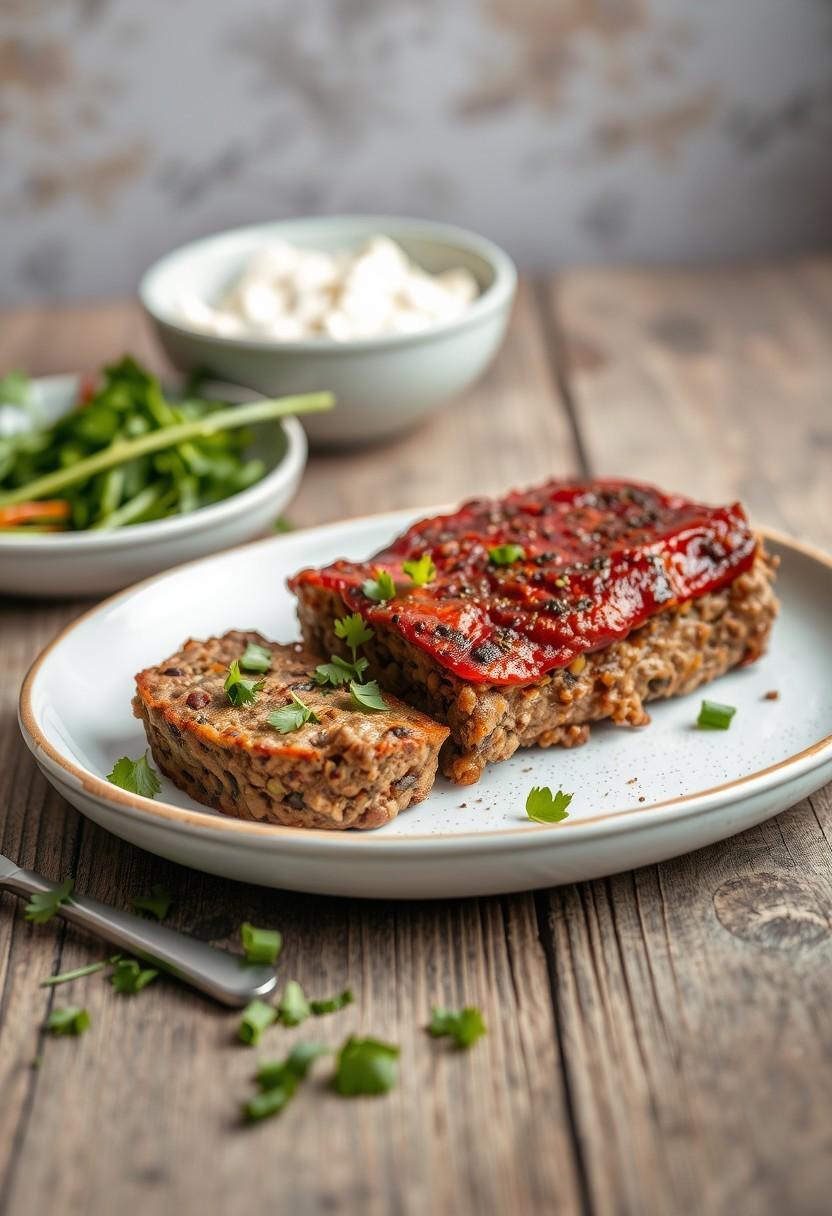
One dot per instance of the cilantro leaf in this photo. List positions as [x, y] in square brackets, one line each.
[545, 807]
[129, 977]
[241, 691]
[137, 776]
[72, 1019]
[338, 671]
[366, 1066]
[381, 588]
[156, 902]
[260, 945]
[44, 904]
[256, 1018]
[294, 1007]
[68, 976]
[506, 555]
[333, 1004]
[367, 696]
[464, 1027]
[354, 631]
[421, 571]
[292, 717]
[256, 658]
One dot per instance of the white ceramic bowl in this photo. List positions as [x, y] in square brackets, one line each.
[382, 385]
[96, 563]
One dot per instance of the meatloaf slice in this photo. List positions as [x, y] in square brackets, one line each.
[351, 769]
[523, 619]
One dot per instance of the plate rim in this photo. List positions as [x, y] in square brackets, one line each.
[166, 814]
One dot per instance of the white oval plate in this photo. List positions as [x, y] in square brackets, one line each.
[640, 796]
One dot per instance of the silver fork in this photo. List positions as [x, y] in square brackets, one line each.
[223, 976]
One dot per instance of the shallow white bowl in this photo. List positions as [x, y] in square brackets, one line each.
[382, 385]
[96, 563]
[692, 787]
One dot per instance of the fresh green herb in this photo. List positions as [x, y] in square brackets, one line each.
[129, 977]
[367, 696]
[261, 945]
[282, 524]
[137, 776]
[464, 1027]
[156, 902]
[279, 1079]
[381, 588]
[292, 717]
[256, 1018]
[44, 904]
[421, 571]
[15, 389]
[333, 1004]
[338, 671]
[241, 691]
[354, 631]
[294, 1007]
[68, 976]
[366, 1066]
[256, 658]
[545, 807]
[715, 716]
[72, 1019]
[270, 1101]
[506, 555]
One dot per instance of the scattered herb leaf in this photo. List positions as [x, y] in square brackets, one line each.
[338, 671]
[256, 658]
[421, 571]
[715, 716]
[366, 1066]
[256, 1018]
[156, 902]
[506, 555]
[292, 717]
[381, 588]
[137, 776]
[294, 1007]
[354, 631]
[241, 691]
[278, 1080]
[545, 807]
[15, 388]
[333, 1004]
[464, 1027]
[44, 904]
[260, 945]
[68, 976]
[367, 696]
[129, 977]
[282, 524]
[72, 1019]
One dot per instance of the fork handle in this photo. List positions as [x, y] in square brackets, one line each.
[225, 977]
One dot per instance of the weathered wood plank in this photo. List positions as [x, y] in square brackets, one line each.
[693, 996]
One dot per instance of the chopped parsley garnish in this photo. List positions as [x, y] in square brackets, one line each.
[261, 945]
[338, 671]
[256, 1018]
[241, 691]
[545, 807]
[294, 1007]
[715, 716]
[354, 631]
[156, 902]
[137, 776]
[292, 717]
[464, 1027]
[77, 974]
[420, 571]
[278, 1080]
[506, 555]
[129, 977]
[44, 904]
[381, 588]
[72, 1019]
[367, 696]
[366, 1066]
[256, 658]
[333, 1004]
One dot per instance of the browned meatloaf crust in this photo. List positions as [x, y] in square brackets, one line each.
[673, 653]
[353, 769]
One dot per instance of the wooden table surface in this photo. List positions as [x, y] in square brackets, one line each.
[659, 1041]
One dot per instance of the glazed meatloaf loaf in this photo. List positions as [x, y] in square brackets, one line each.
[342, 768]
[522, 620]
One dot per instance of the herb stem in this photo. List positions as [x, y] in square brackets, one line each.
[156, 441]
[77, 974]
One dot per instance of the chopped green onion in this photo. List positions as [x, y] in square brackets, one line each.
[261, 946]
[256, 1018]
[715, 716]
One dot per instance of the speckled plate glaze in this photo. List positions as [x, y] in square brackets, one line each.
[640, 796]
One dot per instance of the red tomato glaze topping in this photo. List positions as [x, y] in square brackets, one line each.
[593, 560]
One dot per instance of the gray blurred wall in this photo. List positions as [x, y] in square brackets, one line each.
[568, 130]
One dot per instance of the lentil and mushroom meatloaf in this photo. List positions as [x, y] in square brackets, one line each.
[352, 769]
[550, 609]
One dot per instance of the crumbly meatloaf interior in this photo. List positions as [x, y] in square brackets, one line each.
[351, 770]
[673, 653]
